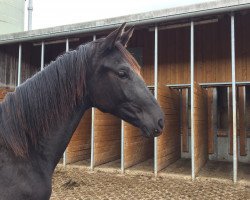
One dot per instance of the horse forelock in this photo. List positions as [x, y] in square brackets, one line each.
[130, 59]
[43, 102]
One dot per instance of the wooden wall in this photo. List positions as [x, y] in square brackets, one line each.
[213, 52]
[211, 118]
[184, 119]
[242, 45]
[174, 56]
[52, 51]
[169, 143]
[200, 128]
[136, 147]
[4, 91]
[31, 60]
[8, 64]
[144, 39]
[79, 147]
[107, 138]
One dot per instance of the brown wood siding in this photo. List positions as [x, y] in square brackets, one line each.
[184, 120]
[242, 49]
[136, 147]
[31, 61]
[169, 143]
[212, 52]
[200, 128]
[145, 39]
[79, 147]
[174, 56]
[241, 120]
[107, 138]
[8, 64]
[211, 119]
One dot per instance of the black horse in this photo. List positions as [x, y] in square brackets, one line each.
[39, 118]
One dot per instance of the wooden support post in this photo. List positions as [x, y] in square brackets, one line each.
[241, 119]
[200, 128]
[211, 115]
[230, 120]
[184, 119]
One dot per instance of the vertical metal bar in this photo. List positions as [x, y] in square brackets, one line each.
[67, 44]
[30, 10]
[42, 56]
[155, 94]
[19, 69]
[122, 147]
[92, 131]
[234, 99]
[192, 96]
[65, 152]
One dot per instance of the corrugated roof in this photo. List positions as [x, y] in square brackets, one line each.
[152, 17]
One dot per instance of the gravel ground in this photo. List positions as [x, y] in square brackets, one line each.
[79, 183]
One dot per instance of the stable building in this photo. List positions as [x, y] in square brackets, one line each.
[196, 61]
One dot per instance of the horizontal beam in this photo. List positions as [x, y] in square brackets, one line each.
[206, 85]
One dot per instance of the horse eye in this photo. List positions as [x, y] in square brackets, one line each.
[122, 74]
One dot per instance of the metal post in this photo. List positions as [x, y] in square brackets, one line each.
[155, 94]
[65, 152]
[192, 95]
[234, 100]
[92, 138]
[122, 147]
[92, 131]
[30, 10]
[42, 56]
[19, 72]
[67, 44]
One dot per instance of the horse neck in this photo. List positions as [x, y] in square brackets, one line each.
[50, 106]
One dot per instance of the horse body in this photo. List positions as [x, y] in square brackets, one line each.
[38, 119]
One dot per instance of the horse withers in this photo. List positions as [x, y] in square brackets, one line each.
[38, 119]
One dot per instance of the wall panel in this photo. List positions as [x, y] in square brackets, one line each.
[8, 64]
[242, 50]
[212, 52]
[79, 147]
[200, 128]
[107, 138]
[173, 56]
[136, 147]
[169, 143]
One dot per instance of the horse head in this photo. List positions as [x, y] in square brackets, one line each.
[115, 85]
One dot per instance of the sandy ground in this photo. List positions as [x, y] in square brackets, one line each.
[74, 182]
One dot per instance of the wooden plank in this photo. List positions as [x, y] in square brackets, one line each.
[200, 129]
[169, 143]
[79, 146]
[107, 142]
[210, 119]
[241, 119]
[136, 147]
[184, 120]
[230, 120]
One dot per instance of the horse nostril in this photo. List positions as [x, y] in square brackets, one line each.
[160, 123]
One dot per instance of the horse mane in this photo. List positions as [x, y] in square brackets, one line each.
[43, 101]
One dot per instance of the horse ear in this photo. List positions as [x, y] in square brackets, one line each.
[113, 37]
[126, 36]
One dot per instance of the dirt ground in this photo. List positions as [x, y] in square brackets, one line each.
[73, 183]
